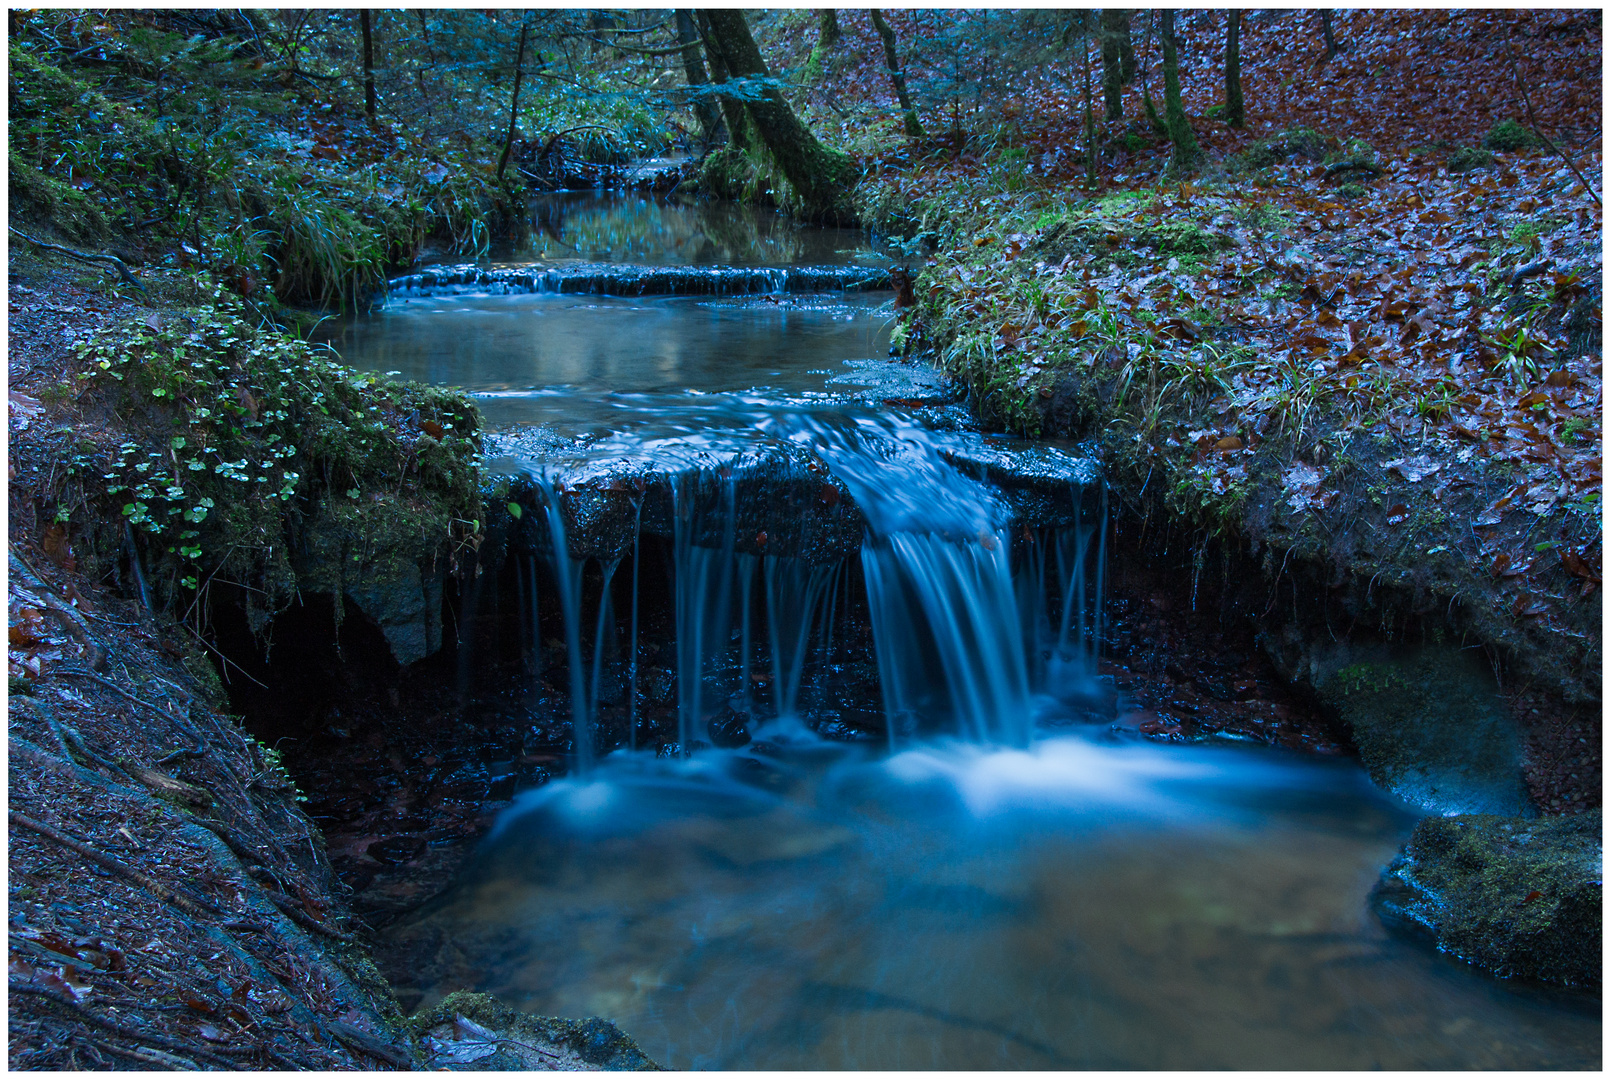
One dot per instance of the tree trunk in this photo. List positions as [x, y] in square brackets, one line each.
[1113, 64]
[896, 76]
[369, 64]
[514, 99]
[1127, 49]
[828, 35]
[1235, 116]
[738, 125]
[820, 176]
[1332, 48]
[709, 114]
[1180, 132]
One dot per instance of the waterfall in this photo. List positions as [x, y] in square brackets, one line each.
[968, 640]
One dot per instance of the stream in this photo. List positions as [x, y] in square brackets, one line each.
[920, 839]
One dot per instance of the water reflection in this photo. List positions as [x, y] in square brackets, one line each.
[565, 360]
[1079, 904]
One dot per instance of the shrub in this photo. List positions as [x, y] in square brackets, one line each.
[1508, 135]
[1469, 158]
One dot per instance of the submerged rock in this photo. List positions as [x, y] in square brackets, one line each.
[1517, 897]
[478, 1033]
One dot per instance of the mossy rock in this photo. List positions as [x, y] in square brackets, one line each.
[521, 1041]
[1429, 722]
[1518, 898]
[1299, 142]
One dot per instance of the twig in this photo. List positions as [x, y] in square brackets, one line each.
[150, 1057]
[367, 1043]
[1533, 121]
[183, 901]
[84, 256]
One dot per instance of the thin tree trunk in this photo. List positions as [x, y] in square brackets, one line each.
[514, 99]
[369, 64]
[1127, 49]
[693, 66]
[1090, 115]
[896, 76]
[1158, 127]
[1332, 48]
[1234, 114]
[828, 32]
[1112, 64]
[819, 175]
[1180, 132]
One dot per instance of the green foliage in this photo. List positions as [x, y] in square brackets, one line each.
[240, 432]
[1508, 136]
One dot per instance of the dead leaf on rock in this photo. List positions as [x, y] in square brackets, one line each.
[1397, 513]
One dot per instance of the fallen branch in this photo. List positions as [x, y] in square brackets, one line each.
[85, 256]
[185, 902]
[1532, 269]
[368, 1044]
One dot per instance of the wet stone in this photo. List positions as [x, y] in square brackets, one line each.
[396, 850]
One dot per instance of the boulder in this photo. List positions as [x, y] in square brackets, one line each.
[1517, 897]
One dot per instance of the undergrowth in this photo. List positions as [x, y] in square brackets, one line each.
[220, 444]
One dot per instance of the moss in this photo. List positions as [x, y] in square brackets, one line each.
[35, 196]
[1468, 159]
[1508, 136]
[1520, 898]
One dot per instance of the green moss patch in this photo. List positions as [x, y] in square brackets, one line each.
[1519, 898]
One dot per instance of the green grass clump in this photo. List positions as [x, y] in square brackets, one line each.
[1508, 136]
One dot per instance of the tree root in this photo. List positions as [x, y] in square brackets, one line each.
[191, 905]
[147, 1037]
[85, 256]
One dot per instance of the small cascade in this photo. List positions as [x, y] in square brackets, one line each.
[568, 575]
[620, 279]
[703, 581]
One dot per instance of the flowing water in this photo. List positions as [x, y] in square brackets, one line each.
[1005, 880]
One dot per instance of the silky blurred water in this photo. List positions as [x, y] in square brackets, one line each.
[1083, 903]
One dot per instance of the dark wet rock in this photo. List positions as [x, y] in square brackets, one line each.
[477, 1032]
[658, 684]
[396, 850]
[1517, 897]
[764, 496]
[1429, 721]
[729, 728]
[466, 781]
[621, 279]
